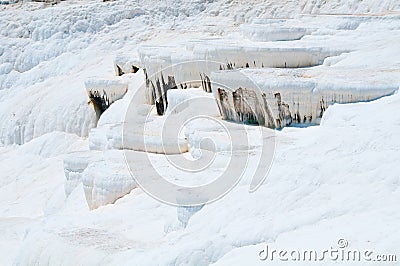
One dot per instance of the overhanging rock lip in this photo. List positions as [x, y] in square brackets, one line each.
[124, 64]
[241, 99]
[102, 93]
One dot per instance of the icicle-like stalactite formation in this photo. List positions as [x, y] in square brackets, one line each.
[205, 82]
[102, 93]
[124, 64]
[284, 116]
[157, 89]
[199, 61]
[244, 105]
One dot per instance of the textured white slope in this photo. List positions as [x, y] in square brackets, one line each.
[106, 179]
[337, 186]
[36, 178]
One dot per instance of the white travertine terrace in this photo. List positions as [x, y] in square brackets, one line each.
[261, 101]
[166, 69]
[339, 179]
[266, 33]
[102, 93]
[124, 64]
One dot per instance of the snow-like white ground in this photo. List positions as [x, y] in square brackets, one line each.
[337, 180]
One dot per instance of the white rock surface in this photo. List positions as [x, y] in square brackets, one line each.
[337, 180]
[267, 33]
[106, 179]
[74, 165]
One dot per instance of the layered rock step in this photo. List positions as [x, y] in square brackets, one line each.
[167, 69]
